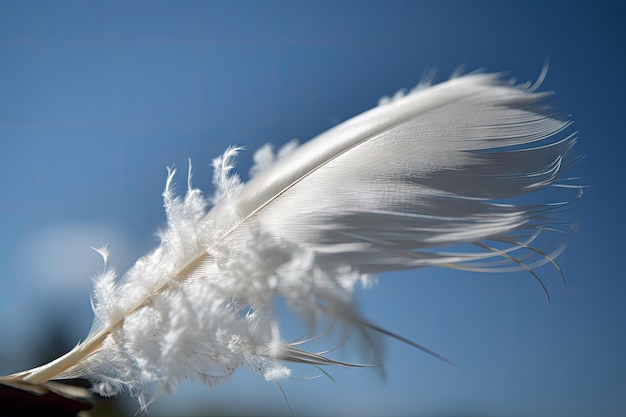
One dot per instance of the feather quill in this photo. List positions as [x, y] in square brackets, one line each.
[400, 186]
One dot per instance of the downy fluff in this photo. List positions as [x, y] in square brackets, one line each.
[401, 186]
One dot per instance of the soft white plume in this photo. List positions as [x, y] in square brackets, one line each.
[400, 186]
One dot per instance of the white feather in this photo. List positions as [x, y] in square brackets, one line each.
[400, 186]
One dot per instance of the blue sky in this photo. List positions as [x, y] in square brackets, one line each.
[96, 99]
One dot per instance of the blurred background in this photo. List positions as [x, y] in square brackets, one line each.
[96, 99]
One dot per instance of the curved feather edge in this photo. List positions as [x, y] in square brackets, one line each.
[404, 185]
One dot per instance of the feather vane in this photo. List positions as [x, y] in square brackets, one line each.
[400, 186]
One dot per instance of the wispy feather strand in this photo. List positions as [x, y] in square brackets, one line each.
[401, 186]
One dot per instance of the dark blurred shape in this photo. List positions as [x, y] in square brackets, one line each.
[48, 400]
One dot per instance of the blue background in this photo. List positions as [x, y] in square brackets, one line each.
[96, 99]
